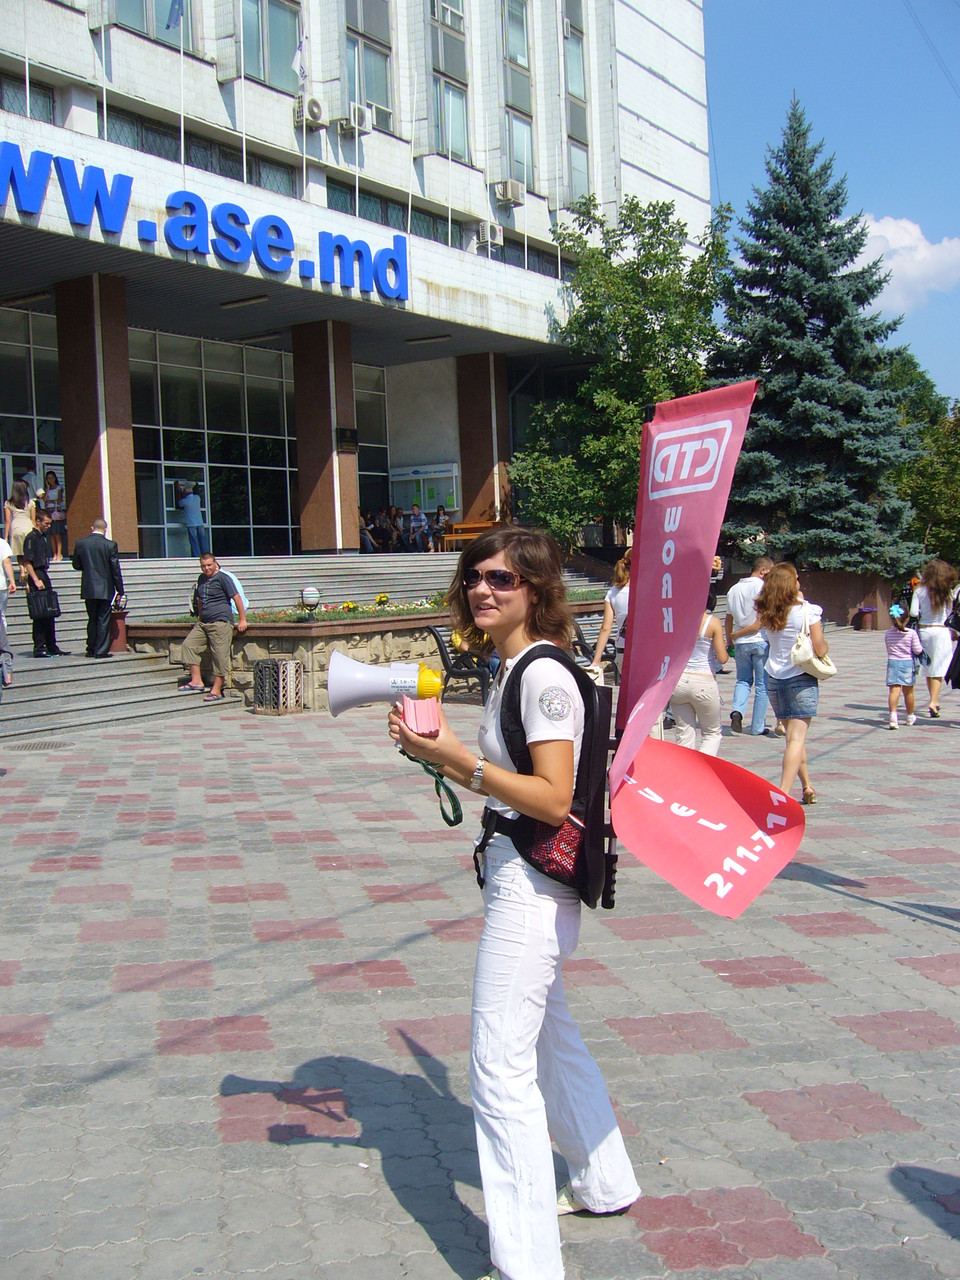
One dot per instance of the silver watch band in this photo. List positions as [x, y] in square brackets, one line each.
[476, 781]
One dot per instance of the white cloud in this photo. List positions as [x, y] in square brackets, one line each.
[917, 267]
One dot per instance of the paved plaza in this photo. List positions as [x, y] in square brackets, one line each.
[235, 964]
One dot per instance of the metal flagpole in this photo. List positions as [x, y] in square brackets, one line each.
[413, 134]
[243, 103]
[175, 19]
[26, 58]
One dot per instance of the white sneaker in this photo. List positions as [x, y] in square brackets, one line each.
[894, 723]
[911, 719]
[567, 1203]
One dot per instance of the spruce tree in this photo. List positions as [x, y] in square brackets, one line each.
[815, 481]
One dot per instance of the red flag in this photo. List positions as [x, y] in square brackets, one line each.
[713, 830]
[687, 458]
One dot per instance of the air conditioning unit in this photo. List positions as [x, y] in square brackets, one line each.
[382, 117]
[358, 122]
[510, 192]
[309, 112]
[566, 28]
[490, 233]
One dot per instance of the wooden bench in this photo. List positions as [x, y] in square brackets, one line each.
[465, 532]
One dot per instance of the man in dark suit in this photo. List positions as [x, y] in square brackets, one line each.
[98, 560]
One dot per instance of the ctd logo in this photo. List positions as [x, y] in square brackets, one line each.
[687, 460]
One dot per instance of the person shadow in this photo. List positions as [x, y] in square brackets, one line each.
[423, 1132]
[933, 1192]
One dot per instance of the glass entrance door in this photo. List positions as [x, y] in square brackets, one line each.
[175, 529]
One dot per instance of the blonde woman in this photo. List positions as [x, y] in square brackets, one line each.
[696, 699]
[615, 606]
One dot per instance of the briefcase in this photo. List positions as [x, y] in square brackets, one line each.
[43, 603]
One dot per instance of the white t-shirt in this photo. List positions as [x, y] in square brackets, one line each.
[778, 662]
[6, 551]
[741, 604]
[551, 709]
[619, 600]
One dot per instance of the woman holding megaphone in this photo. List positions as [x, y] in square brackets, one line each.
[531, 1075]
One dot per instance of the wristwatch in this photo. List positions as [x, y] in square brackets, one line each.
[476, 780]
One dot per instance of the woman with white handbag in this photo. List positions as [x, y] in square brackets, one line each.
[797, 662]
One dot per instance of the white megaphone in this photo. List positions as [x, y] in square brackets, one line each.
[351, 683]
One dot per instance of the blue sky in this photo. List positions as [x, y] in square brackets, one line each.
[888, 112]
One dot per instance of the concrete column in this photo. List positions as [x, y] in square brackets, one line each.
[94, 365]
[482, 406]
[323, 403]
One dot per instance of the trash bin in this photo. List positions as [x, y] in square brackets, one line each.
[118, 631]
[277, 686]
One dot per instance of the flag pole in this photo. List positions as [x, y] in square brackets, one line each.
[26, 58]
[243, 104]
[183, 149]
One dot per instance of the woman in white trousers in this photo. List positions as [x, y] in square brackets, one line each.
[531, 1075]
[696, 699]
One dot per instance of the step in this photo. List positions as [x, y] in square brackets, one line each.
[58, 722]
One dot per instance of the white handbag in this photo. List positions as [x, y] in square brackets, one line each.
[802, 654]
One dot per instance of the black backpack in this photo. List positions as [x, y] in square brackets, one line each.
[594, 871]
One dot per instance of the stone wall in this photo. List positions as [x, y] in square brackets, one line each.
[311, 650]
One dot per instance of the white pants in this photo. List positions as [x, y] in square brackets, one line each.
[531, 1075]
[697, 698]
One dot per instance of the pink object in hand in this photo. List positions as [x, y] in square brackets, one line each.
[422, 716]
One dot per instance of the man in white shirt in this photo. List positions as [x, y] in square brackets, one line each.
[751, 650]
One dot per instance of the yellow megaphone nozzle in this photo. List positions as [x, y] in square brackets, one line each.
[429, 682]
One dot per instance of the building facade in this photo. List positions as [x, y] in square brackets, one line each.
[300, 253]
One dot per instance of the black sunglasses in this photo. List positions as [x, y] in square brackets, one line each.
[496, 579]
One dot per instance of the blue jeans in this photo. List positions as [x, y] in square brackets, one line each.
[198, 539]
[750, 659]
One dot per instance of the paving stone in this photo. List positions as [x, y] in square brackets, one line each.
[291, 987]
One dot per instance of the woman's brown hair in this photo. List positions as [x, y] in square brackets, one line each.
[536, 557]
[778, 596]
[939, 578]
[621, 571]
[20, 495]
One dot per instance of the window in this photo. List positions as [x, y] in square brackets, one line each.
[576, 79]
[579, 171]
[271, 33]
[517, 50]
[368, 59]
[368, 79]
[150, 18]
[154, 139]
[391, 213]
[13, 98]
[450, 119]
[449, 12]
[520, 136]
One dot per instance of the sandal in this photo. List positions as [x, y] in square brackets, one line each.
[191, 688]
[934, 713]
[809, 796]
[214, 697]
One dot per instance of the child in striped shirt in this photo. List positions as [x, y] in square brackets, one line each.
[903, 654]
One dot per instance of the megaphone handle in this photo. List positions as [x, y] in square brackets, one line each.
[442, 788]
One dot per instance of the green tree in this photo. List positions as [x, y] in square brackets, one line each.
[641, 310]
[929, 483]
[816, 479]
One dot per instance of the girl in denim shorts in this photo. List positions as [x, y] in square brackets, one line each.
[782, 613]
[903, 653]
